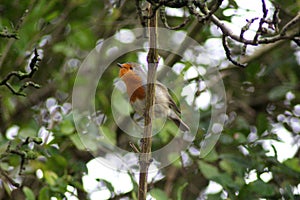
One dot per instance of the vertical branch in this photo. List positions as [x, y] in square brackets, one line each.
[152, 59]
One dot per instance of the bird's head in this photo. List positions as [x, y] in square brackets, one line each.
[131, 68]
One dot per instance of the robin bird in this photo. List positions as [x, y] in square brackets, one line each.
[135, 79]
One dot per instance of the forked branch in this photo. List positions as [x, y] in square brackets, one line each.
[203, 12]
[33, 65]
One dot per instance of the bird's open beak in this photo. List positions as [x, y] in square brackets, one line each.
[120, 65]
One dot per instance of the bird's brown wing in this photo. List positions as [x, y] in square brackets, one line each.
[172, 103]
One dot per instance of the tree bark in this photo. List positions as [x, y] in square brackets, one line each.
[152, 59]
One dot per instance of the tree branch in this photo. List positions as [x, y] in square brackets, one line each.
[163, 17]
[281, 36]
[8, 178]
[152, 59]
[10, 42]
[228, 53]
[203, 13]
[21, 75]
[7, 34]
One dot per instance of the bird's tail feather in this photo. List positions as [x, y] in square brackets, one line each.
[179, 123]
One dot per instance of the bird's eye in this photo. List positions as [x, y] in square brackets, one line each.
[130, 68]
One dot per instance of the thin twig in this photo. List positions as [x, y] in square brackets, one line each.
[228, 32]
[163, 18]
[276, 19]
[20, 151]
[228, 54]
[9, 35]
[21, 75]
[261, 22]
[247, 26]
[172, 4]
[10, 180]
[207, 13]
[294, 21]
[140, 13]
[134, 148]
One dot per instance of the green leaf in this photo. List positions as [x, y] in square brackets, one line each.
[28, 193]
[80, 167]
[77, 142]
[242, 123]
[50, 177]
[293, 163]
[208, 171]
[57, 163]
[279, 92]
[233, 3]
[67, 127]
[226, 139]
[108, 184]
[27, 132]
[52, 16]
[109, 135]
[237, 159]
[158, 194]
[211, 156]
[180, 190]
[165, 134]
[225, 165]
[37, 140]
[133, 195]
[83, 36]
[225, 179]
[64, 49]
[214, 196]
[44, 193]
[174, 159]
[240, 137]
[262, 188]
[262, 123]
[237, 163]
[78, 184]
[288, 190]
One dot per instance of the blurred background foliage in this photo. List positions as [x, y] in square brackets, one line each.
[257, 156]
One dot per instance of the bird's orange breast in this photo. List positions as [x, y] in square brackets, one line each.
[134, 85]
